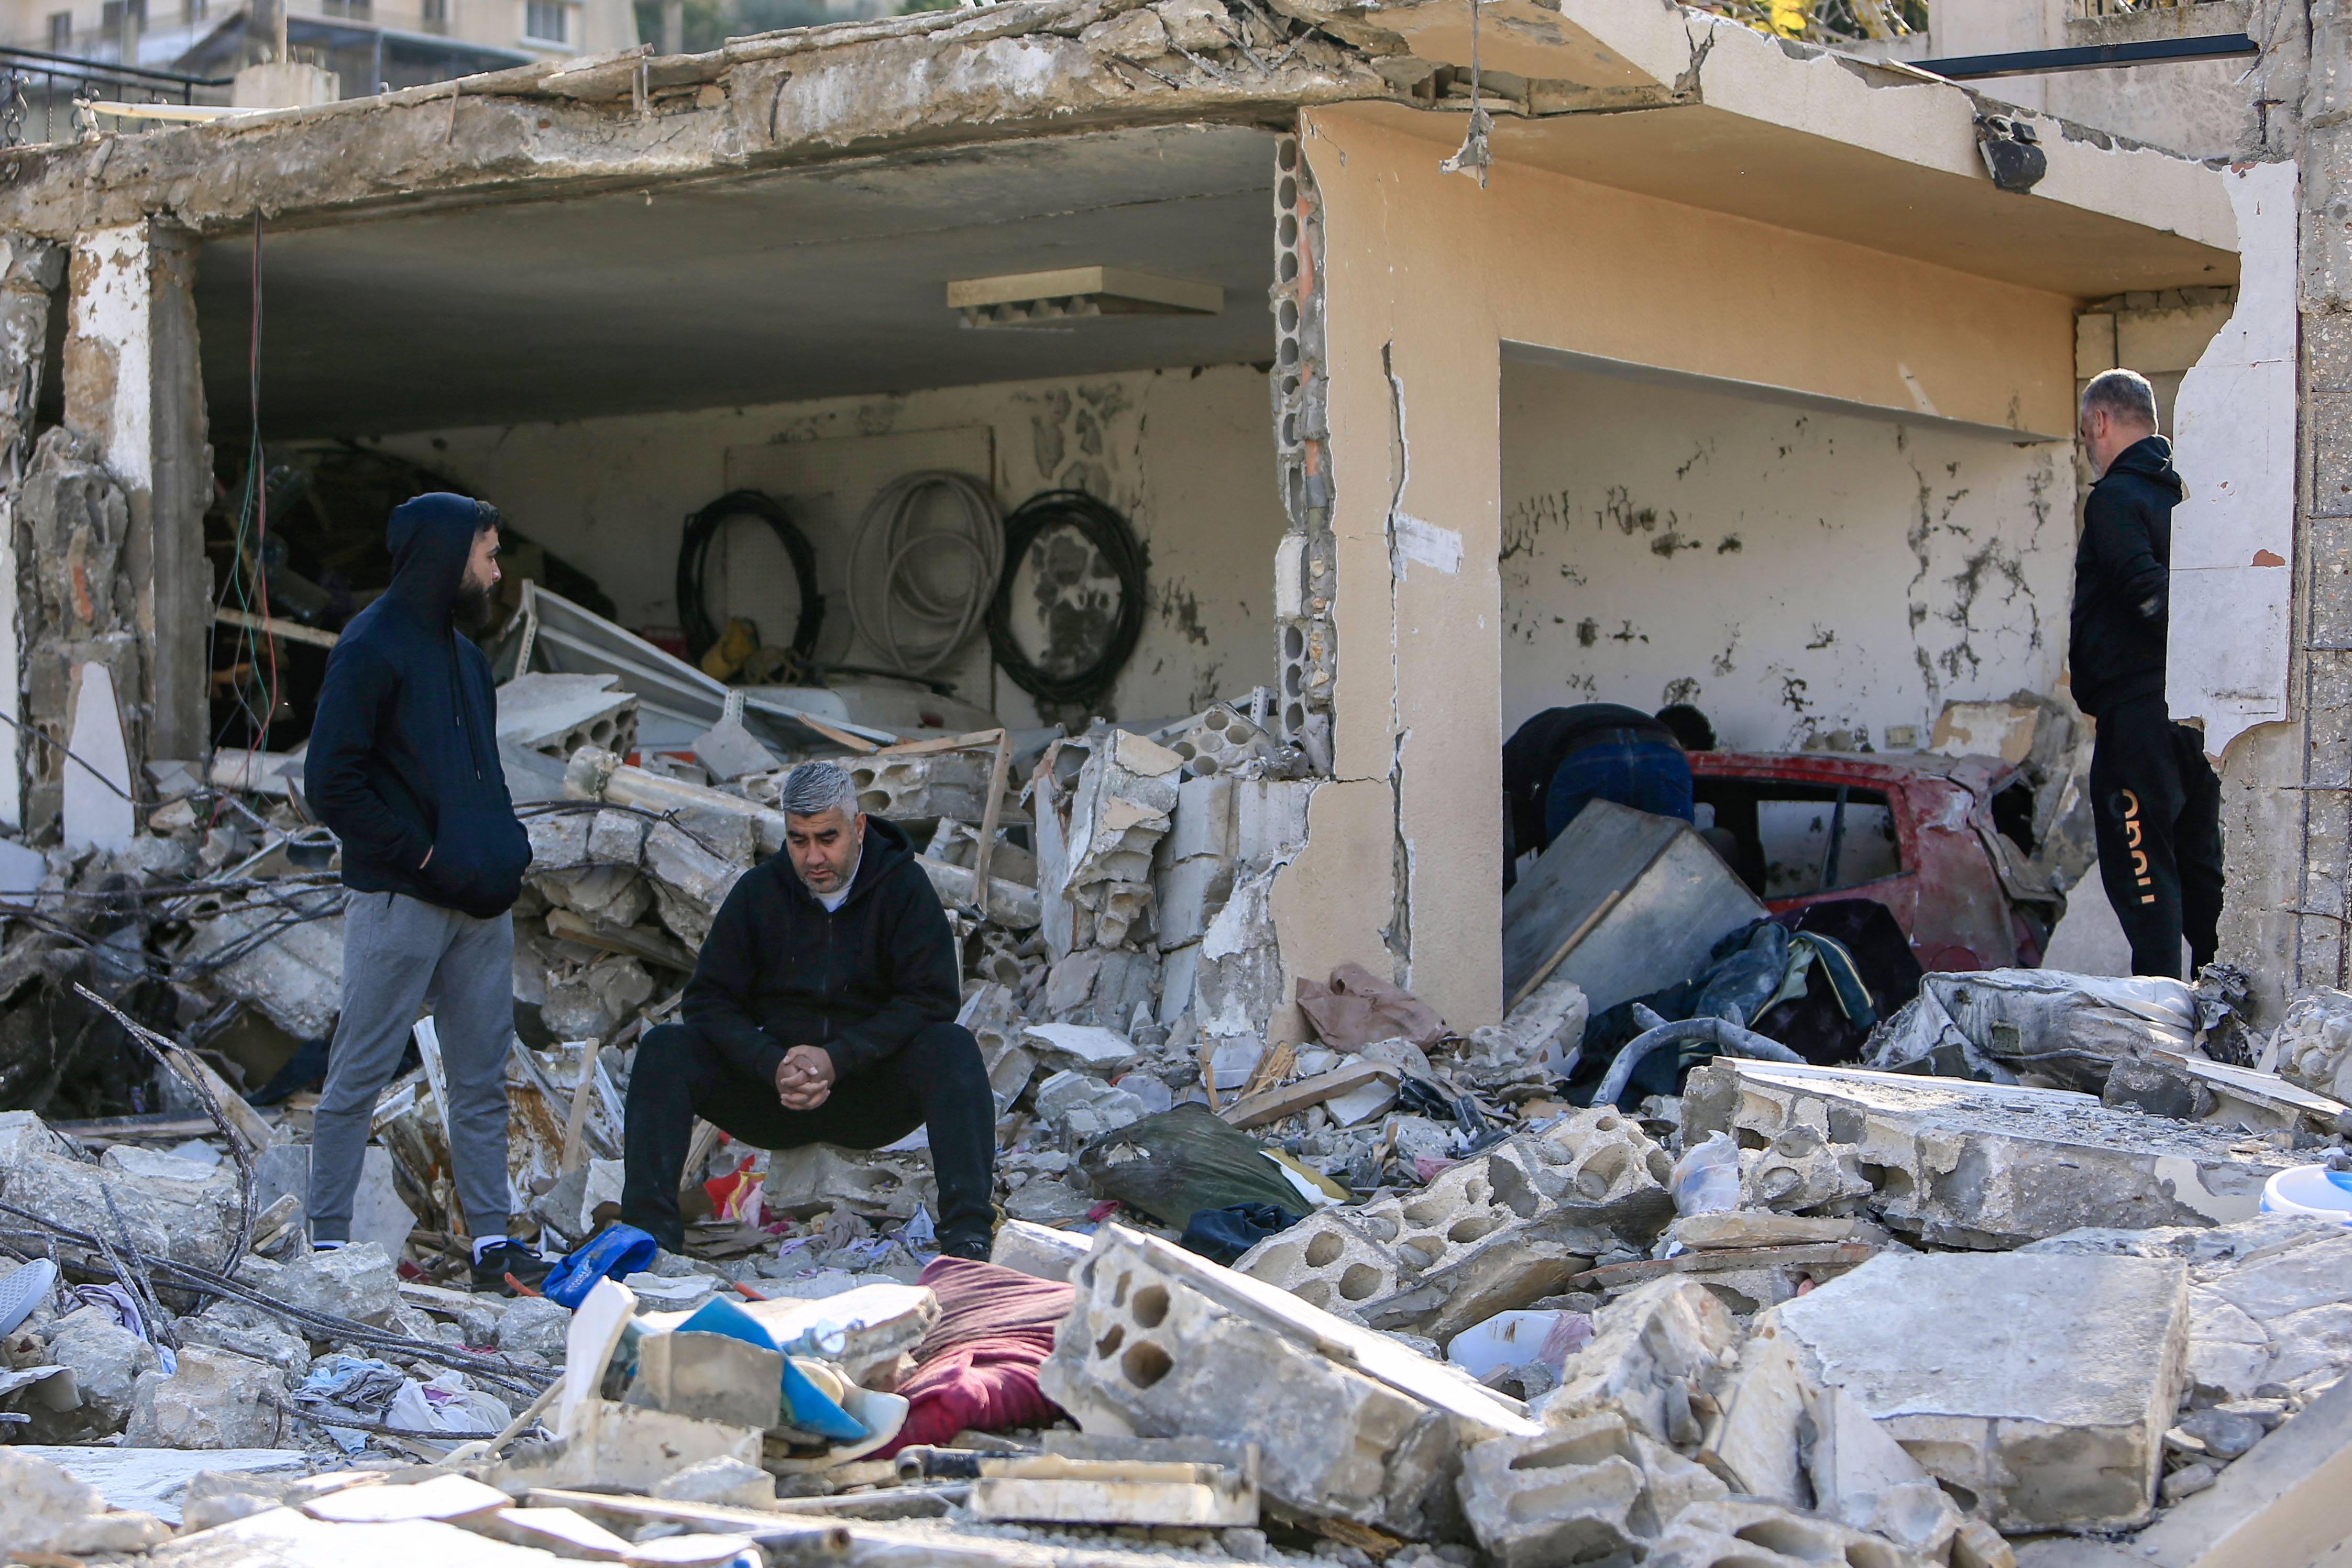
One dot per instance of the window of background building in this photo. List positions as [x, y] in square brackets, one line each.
[111, 16]
[433, 15]
[197, 9]
[60, 32]
[357, 10]
[547, 21]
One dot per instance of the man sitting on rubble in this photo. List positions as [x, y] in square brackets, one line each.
[822, 1011]
[403, 766]
[2156, 805]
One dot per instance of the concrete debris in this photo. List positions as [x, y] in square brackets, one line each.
[2312, 1044]
[212, 1400]
[923, 786]
[1590, 1486]
[559, 713]
[1975, 1164]
[2047, 1401]
[44, 1510]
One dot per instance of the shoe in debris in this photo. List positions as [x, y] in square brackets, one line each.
[506, 1265]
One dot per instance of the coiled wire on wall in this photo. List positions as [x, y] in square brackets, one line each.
[1109, 533]
[693, 556]
[916, 626]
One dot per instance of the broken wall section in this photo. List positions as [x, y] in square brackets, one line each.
[1181, 454]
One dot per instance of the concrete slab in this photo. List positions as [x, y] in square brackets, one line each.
[1962, 1163]
[2041, 1385]
[149, 1480]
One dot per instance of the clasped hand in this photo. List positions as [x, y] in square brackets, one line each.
[803, 1078]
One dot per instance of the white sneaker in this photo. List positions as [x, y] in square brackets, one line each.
[23, 1291]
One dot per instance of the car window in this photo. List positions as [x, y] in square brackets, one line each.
[1787, 840]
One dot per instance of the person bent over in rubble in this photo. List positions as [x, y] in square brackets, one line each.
[1564, 756]
[822, 1011]
[403, 766]
[2156, 805]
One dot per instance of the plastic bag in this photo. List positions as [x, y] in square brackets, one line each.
[1705, 1180]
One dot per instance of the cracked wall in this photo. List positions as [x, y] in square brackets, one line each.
[1431, 283]
[1183, 453]
[1801, 576]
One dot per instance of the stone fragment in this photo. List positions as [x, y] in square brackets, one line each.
[1987, 1165]
[106, 1361]
[357, 1281]
[730, 1482]
[815, 1177]
[1038, 1250]
[247, 1331]
[1104, 1053]
[534, 1324]
[40, 1504]
[1589, 1486]
[927, 785]
[708, 1376]
[183, 1220]
[561, 714]
[1080, 1107]
[1652, 1350]
[1741, 1228]
[1122, 802]
[1734, 1534]
[293, 975]
[1327, 1260]
[626, 1447]
[215, 1400]
[2313, 1043]
[2046, 1400]
[1157, 1340]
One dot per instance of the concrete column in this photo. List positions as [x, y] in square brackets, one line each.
[29, 274]
[133, 386]
[1403, 864]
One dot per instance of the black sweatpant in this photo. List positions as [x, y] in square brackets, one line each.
[2157, 808]
[936, 1081]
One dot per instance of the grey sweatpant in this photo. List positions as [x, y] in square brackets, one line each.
[400, 955]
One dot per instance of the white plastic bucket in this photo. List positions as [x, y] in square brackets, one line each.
[2315, 1190]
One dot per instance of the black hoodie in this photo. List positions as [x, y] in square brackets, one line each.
[779, 970]
[2123, 580]
[403, 754]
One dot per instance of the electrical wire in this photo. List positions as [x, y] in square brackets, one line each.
[1116, 543]
[248, 579]
[887, 541]
[694, 553]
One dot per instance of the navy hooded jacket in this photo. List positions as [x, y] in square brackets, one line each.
[404, 753]
[2123, 580]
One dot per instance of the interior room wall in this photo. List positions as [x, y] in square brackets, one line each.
[1187, 454]
[1793, 572]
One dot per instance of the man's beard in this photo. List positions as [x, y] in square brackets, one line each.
[472, 609]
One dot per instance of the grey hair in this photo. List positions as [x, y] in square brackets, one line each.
[2125, 394]
[813, 789]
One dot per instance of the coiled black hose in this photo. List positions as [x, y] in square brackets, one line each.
[1725, 1035]
[1109, 534]
[694, 551]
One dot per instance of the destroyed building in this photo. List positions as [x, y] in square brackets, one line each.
[1162, 450]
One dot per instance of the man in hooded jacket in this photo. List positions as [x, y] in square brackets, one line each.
[403, 766]
[821, 1010]
[2156, 805]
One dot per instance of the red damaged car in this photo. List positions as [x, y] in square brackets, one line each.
[1944, 842]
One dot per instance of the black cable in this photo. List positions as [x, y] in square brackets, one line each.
[694, 550]
[1116, 542]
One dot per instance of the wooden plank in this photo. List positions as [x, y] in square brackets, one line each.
[270, 625]
[1605, 850]
[760, 1524]
[972, 742]
[1543, 970]
[1274, 1105]
[989, 811]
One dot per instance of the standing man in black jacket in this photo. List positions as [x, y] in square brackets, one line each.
[403, 766]
[2155, 802]
[822, 1011]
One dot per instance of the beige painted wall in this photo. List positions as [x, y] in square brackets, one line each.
[1793, 572]
[1427, 273]
[1187, 454]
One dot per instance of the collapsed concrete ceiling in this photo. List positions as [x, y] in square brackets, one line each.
[814, 283]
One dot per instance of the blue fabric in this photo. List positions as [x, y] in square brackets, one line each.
[1223, 1235]
[806, 1405]
[1648, 775]
[612, 1252]
[404, 757]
